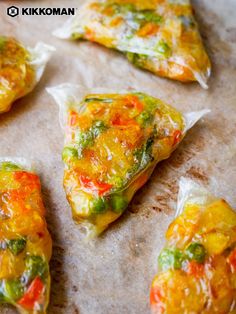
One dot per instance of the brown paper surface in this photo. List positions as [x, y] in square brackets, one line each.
[112, 275]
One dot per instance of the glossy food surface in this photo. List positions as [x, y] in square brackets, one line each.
[113, 142]
[16, 73]
[161, 35]
[198, 264]
[25, 243]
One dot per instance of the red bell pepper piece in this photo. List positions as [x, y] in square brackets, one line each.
[121, 121]
[27, 179]
[73, 118]
[94, 186]
[33, 294]
[134, 102]
[195, 269]
[177, 137]
[156, 299]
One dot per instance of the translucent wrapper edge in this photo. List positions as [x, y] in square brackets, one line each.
[192, 192]
[19, 161]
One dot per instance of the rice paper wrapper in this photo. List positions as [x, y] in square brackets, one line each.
[25, 74]
[40, 55]
[96, 203]
[88, 19]
[26, 244]
[23, 163]
[192, 192]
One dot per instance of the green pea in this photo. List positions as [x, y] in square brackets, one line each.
[69, 152]
[162, 48]
[170, 259]
[13, 289]
[99, 205]
[118, 203]
[35, 266]
[16, 246]
[196, 251]
[9, 166]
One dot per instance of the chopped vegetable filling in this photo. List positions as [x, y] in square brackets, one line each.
[16, 73]
[161, 36]
[111, 149]
[197, 265]
[25, 247]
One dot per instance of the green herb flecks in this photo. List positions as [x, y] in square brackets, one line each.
[121, 9]
[35, 266]
[83, 140]
[150, 102]
[13, 290]
[163, 49]
[9, 166]
[144, 118]
[136, 58]
[69, 153]
[97, 128]
[3, 41]
[144, 16]
[96, 99]
[143, 157]
[147, 115]
[16, 246]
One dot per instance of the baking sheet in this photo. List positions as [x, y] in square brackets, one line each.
[112, 275]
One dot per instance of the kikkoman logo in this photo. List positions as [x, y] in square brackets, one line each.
[15, 11]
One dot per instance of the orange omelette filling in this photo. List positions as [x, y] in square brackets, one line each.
[16, 73]
[25, 243]
[113, 142]
[160, 35]
[198, 265]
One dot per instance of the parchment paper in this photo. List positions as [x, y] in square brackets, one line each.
[112, 275]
